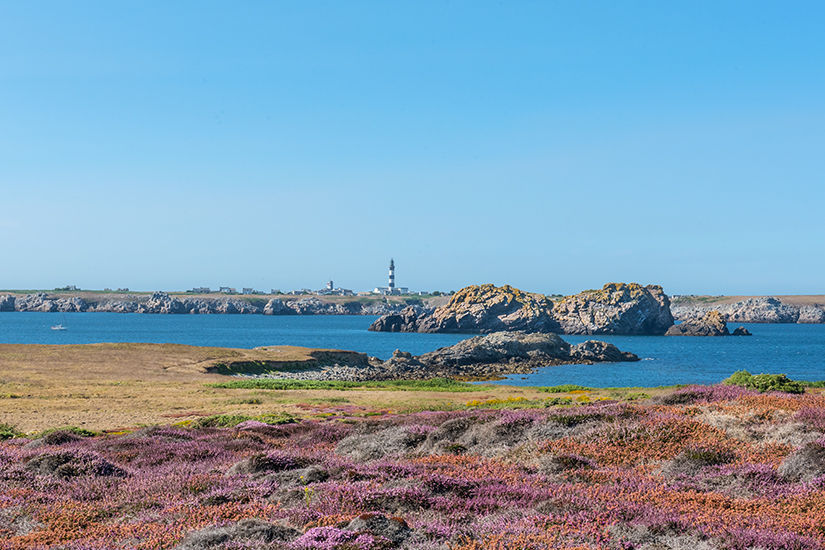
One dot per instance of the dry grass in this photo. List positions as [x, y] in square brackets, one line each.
[111, 386]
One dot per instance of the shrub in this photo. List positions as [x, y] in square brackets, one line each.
[231, 420]
[564, 388]
[764, 382]
[638, 395]
[7, 431]
[80, 432]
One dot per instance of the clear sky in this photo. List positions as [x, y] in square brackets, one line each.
[554, 146]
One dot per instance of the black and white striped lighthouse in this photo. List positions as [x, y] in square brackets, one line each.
[392, 276]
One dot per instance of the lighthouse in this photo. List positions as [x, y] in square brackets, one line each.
[392, 276]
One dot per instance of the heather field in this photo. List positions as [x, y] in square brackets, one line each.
[700, 467]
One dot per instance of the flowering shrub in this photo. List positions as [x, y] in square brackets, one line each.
[596, 476]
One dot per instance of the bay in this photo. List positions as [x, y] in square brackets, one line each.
[796, 350]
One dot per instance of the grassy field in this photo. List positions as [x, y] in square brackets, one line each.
[111, 386]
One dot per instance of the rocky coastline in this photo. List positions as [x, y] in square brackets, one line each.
[765, 309]
[617, 308]
[163, 303]
[480, 358]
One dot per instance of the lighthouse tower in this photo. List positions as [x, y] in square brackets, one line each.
[392, 277]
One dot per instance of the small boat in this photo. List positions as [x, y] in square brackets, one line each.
[61, 326]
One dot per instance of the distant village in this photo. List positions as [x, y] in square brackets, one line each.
[329, 290]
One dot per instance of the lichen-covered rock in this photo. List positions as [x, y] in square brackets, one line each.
[712, 324]
[617, 308]
[477, 308]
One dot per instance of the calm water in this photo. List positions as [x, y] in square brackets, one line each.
[796, 350]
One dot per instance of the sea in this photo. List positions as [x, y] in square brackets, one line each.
[795, 350]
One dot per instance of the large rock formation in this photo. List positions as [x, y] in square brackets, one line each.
[712, 324]
[615, 309]
[534, 349]
[484, 308]
[482, 357]
[766, 309]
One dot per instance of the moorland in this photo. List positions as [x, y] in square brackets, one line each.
[147, 446]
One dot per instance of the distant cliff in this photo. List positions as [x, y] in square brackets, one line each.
[766, 309]
[617, 308]
[163, 303]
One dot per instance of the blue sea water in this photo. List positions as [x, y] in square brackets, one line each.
[796, 350]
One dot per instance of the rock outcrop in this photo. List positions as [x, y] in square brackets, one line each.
[741, 331]
[766, 309]
[712, 324]
[43, 302]
[7, 302]
[484, 308]
[617, 308]
[314, 306]
[482, 357]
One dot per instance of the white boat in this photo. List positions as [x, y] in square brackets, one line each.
[61, 326]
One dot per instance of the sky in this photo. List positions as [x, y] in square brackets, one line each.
[554, 146]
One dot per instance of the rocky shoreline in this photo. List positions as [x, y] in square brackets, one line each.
[615, 309]
[163, 303]
[765, 309]
[487, 357]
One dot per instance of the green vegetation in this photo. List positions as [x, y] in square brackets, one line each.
[564, 388]
[7, 431]
[764, 382]
[82, 432]
[633, 396]
[435, 384]
[230, 420]
[709, 456]
[816, 384]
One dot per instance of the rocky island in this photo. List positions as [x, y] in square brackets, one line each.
[617, 308]
[482, 357]
[711, 324]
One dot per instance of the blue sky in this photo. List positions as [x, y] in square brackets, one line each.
[554, 146]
